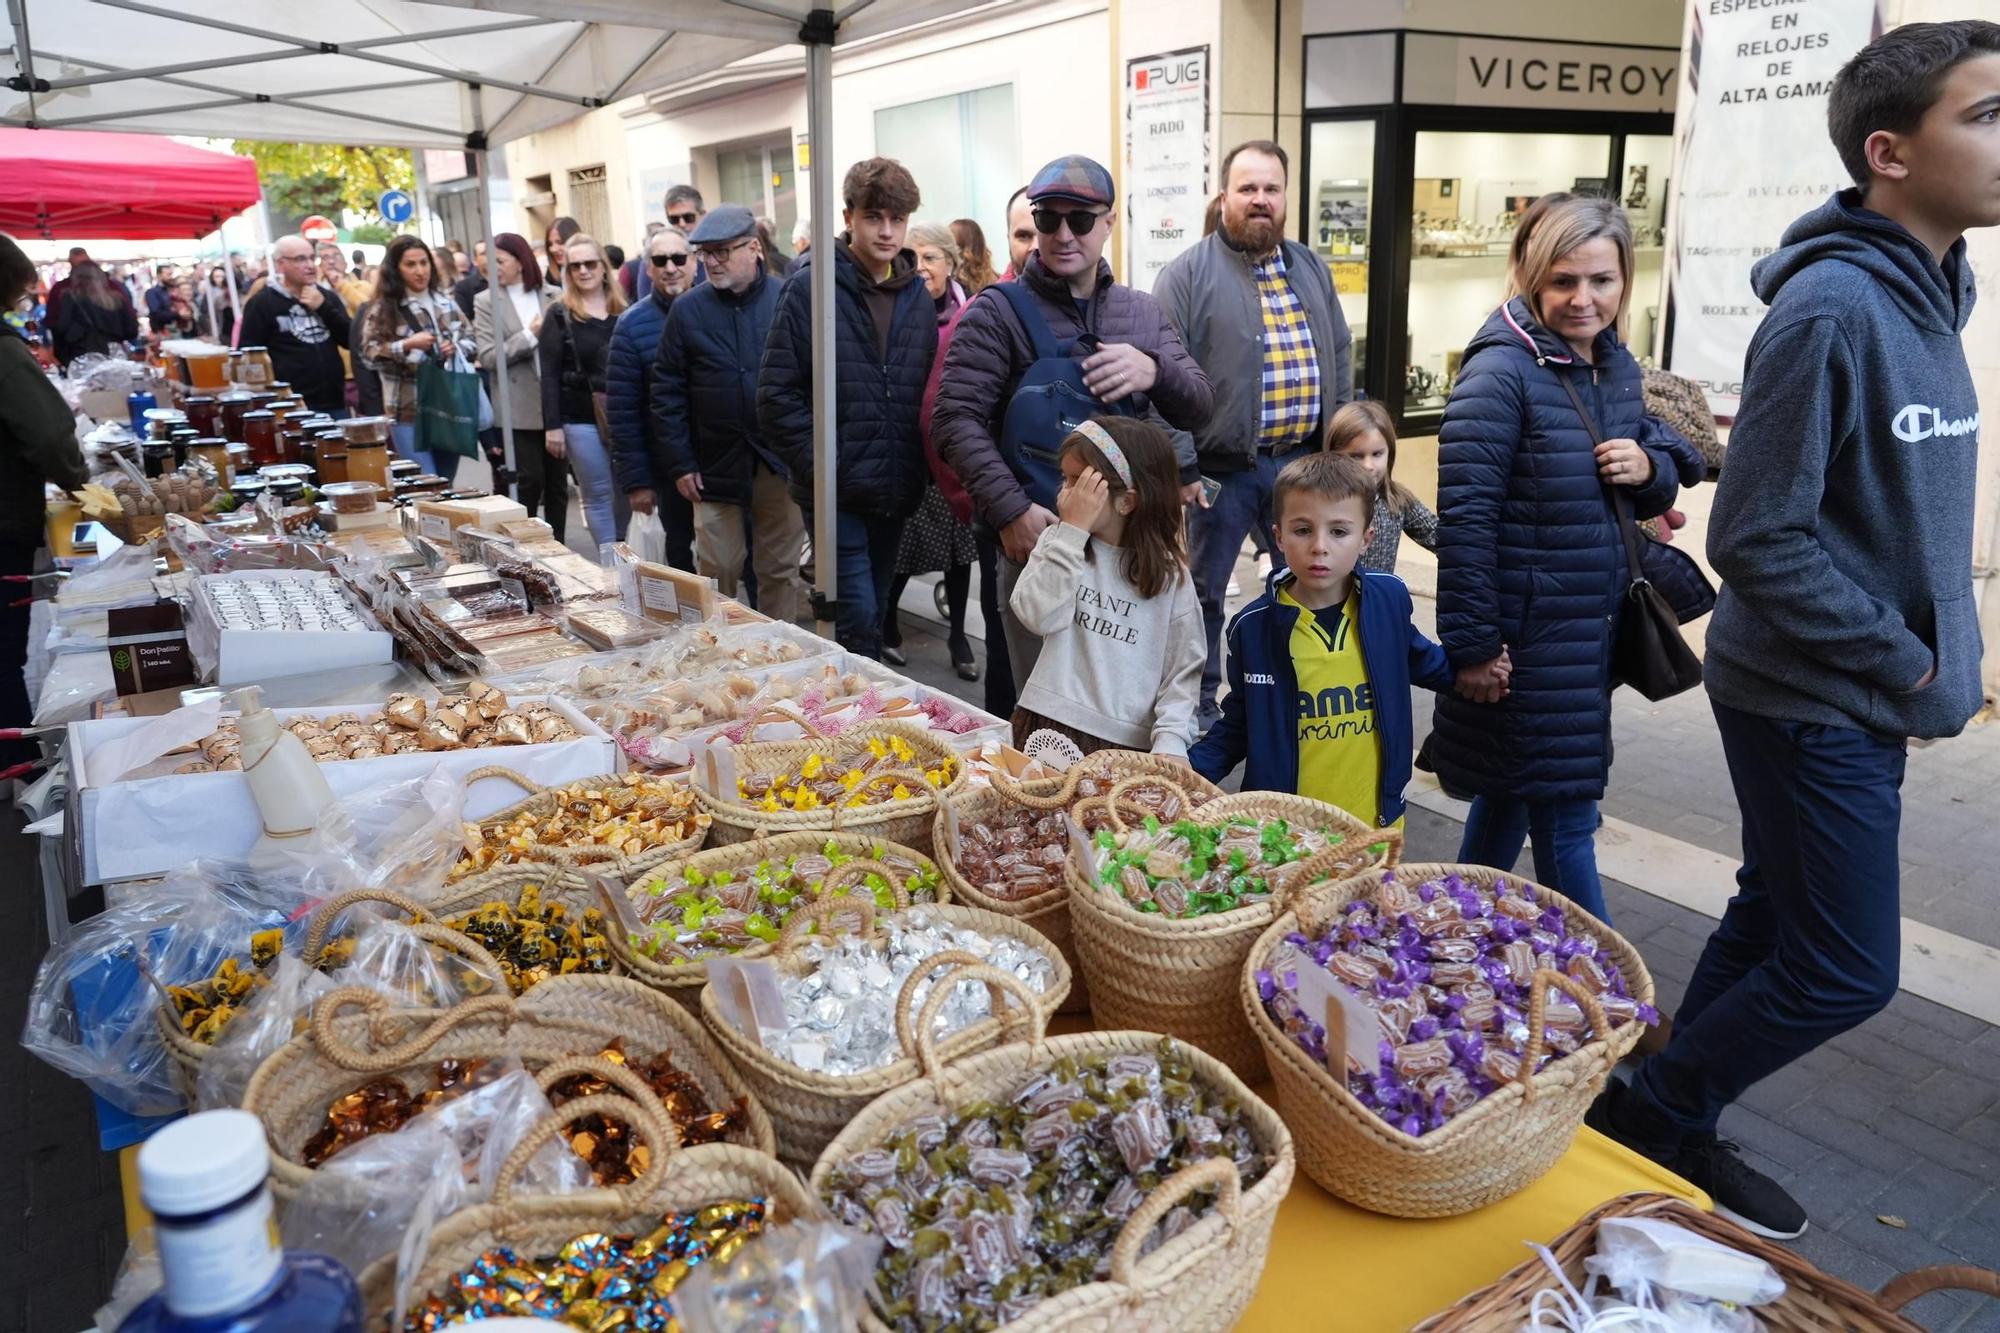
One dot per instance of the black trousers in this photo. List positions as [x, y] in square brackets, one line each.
[16, 709]
[541, 483]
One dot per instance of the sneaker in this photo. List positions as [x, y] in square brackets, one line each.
[1235, 589]
[1743, 1194]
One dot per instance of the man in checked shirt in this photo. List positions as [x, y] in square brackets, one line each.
[1260, 315]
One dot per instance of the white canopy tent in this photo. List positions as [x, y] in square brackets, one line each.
[453, 74]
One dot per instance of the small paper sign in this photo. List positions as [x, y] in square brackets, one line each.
[746, 990]
[616, 905]
[1082, 850]
[1352, 1031]
[719, 768]
[950, 830]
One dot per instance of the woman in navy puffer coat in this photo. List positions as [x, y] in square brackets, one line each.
[1530, 562]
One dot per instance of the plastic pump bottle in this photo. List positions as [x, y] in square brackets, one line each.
[285, 779]
[204, 1180]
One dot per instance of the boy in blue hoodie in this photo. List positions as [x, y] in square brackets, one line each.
[1845, 625]
[1320, 666]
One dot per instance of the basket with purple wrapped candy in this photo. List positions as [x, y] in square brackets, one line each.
[1436, 1032]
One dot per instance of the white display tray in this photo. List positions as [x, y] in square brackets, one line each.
[147, 826]
[235, 656]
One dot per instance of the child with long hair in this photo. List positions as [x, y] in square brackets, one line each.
[1108, 590]
[1363, 431]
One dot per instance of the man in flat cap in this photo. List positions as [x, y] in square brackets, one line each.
[704, 402]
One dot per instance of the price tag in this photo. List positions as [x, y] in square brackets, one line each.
[1081, 850]
[950, 830]
[435, 525]
[1352, 1032]
[659, 595]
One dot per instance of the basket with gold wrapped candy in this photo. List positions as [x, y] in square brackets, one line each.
[197, 1012]
[367, 1064]
[620, 825]
[880, 779]
[610, 1257]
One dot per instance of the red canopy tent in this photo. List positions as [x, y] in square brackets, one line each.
[60, 183]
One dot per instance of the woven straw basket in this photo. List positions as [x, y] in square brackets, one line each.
[1200, 1280]
[1048, 911]
[356, 1035]
[676, 1179]
[188, 1054]
[1813, 1302]
[683, 981]
[1180, 977]
[551, 862]
[906, 821]
[1501, 1144]
[808, 1108]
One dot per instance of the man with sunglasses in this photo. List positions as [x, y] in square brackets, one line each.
[1128, 353]
[704, 408]
[639, 457]
[685, 210]
[1259, 313]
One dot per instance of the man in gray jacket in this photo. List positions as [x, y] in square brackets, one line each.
[1260, 315]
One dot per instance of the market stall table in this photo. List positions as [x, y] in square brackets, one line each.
[1335, 1267]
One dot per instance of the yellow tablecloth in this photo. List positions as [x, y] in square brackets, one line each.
[1335, 1268]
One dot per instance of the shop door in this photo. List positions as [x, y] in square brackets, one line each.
[759, 177]
[1338, 209]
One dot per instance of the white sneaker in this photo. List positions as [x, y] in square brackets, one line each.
[1235, 589]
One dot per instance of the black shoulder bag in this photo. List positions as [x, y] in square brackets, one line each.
[1649, 653]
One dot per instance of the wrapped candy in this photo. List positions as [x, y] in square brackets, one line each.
[599, 1282]
[628, 815]
[534, 940]
[840, 1014]
[1454, 998]
[844, 778]
[405, 710]
[978, 1232]
[692, 914]
[1190, 869]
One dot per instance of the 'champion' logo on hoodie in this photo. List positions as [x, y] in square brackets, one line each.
[1917, 422]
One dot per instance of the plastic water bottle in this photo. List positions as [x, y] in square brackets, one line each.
[204, 1180]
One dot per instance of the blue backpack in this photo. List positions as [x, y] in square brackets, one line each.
[1048, 403]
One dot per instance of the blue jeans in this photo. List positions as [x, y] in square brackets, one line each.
[404, 436]
[1565, 844]
[591, 464]
[1215, 540]
[865, 566]
[1810, 945]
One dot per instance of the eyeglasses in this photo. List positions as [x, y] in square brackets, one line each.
[716, 254]
[683, 219]
[1080, 220]
[678, 261]
[586, 265]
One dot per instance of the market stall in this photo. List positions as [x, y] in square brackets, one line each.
[63, 183]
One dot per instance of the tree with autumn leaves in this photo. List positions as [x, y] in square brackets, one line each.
[305, 178]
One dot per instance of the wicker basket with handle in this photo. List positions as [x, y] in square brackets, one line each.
[188, 1054]
[1200, 1280]
[1048, 911]
[676, 1179]
[807, 1108]
[684, 981]
[1180, 976]
[357, 1035]
[906, 820]
[550, 861]
[1813, 1302]
[1498, 1146]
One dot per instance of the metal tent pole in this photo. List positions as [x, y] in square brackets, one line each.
[503, 405]
[817, 34]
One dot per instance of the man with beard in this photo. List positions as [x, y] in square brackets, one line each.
[1259, 313]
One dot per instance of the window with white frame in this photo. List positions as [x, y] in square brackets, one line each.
[964, 150]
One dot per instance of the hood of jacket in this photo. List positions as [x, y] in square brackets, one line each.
[1937, 296]
[1513, 325]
